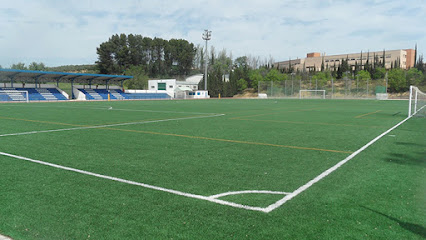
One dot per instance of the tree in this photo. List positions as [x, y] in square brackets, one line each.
[275, 75]
[379, 73]
[415, 55]
[19, 66]
[322, 78]
[396, 80]
[364, 75]
[242, 84]
[139, 80]
[157, 56]
[255, 77]
[420, 65]
[413, 77]
[37, 66]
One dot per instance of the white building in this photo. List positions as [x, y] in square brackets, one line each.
[313, 61]
[178, 89]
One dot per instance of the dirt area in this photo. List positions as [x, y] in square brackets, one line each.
[248, 93]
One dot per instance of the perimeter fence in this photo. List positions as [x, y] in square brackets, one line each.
[345, 88]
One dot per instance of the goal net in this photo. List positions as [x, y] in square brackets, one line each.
[417, 102]
[311, 94]
[14, 95]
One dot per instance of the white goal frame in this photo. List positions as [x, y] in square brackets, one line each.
[8, 92]
[413, 103]
[305, 90]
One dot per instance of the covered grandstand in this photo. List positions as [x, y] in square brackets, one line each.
[18, 85]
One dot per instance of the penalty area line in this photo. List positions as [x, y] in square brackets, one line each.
[330, 170]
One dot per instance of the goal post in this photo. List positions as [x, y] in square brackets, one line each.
[417, 102]
[304, 93]
[14, 95]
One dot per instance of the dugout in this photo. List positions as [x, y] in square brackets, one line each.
[20, 78]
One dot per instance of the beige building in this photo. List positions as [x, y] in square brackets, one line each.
[314, 60]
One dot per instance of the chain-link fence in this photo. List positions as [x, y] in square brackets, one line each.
[342, 88]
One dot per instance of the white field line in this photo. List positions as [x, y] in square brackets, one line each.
[213, 198]
[190, 195]
[328, 171]
[247, 191]
[108, 125]
[113, 109]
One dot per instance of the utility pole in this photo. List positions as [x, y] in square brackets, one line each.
[206, 36]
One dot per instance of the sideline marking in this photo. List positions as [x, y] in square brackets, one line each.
[263, 114]
[40, 121]
[228, 140]
[247, 191]
[363, 115]
[330, 170]
[105, 126]
[108, 127]
[309, 123]
[113, 109]
[190, 195]
[213, 198]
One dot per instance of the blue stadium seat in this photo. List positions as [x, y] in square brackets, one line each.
[40, 94]
[102, 94]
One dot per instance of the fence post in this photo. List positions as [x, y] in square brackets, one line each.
[285, 88]
[367, 87]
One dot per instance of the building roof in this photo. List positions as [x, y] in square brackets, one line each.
[194, 79]
[183, 89]
[7, 74]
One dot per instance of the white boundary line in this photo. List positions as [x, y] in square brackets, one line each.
[328, 171]
[108, 125]
[113, 109]
[213, 198]
[190, 195]
[247, 191]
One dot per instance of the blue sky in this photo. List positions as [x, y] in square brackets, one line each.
[68, 32]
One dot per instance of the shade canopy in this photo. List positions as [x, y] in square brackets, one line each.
[28, 76]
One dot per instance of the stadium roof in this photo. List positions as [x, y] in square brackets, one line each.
[29, 75]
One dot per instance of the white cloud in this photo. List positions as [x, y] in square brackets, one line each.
[68, 32]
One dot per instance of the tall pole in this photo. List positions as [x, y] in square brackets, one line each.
[206, 36]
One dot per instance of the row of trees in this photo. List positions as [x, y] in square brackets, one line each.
[156, 57]
[34, 66]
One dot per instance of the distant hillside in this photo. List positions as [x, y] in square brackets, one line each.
[88, 68]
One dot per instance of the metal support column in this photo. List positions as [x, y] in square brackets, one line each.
[72, 88]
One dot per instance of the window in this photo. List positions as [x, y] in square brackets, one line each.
[161, 86]
[170, 86]
[152, 86]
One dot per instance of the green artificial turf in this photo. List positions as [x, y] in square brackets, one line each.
[276, 145]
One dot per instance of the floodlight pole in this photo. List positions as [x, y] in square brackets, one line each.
[206, 36]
